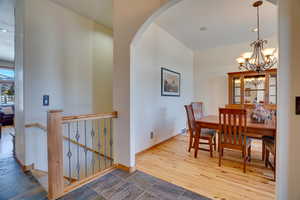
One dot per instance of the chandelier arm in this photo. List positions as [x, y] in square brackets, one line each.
[255, 55]
[261, 53]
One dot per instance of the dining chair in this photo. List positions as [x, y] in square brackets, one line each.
[198, 114]
[197, 110]
[270, 147]
[205, 134]
[249, 110]
[232, 133]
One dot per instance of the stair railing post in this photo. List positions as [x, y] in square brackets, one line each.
[55, 154]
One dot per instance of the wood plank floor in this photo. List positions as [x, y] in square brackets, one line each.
[171, 162]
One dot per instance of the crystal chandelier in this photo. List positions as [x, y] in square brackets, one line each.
[260, 59]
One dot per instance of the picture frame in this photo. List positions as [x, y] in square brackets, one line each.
[170, 83]
[298, 105]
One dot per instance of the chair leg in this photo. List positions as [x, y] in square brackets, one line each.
[263, 150]
[249, 153]
[210, 147]
[215, 143]
[191, 142]
[196, 143]
[220, 155]
[245, 159]
[275, 167]
[267, 157]
[243, 153]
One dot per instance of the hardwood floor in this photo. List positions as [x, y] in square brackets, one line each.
[172, 162]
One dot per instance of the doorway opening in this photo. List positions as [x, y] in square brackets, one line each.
[7, 78]
[200, 41]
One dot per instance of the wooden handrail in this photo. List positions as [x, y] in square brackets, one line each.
[36, 125]
[68, 119]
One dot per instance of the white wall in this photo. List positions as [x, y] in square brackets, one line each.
[211, 67]
[102, 69]
[19, 81]
[60, 59]
[165, 116]
[288, 167]
[127, 21]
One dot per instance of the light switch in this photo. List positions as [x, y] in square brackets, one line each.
[45, 100]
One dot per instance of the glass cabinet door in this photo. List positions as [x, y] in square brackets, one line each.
[236, 91]
[254, 89]
[273, 89]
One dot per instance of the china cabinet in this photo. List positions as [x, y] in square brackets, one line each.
[248, 88]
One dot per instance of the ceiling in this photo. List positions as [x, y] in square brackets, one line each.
[97, 10]
[7, 22]
[100, 11]
[226, 22]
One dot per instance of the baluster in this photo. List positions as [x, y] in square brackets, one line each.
[85, 149]
[77, 136]
[111, 142]
[99, 143]
[93, 156]
[105, 139]
[69, 154]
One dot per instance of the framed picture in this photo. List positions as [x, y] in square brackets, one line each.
[297, 105]
[170, 83]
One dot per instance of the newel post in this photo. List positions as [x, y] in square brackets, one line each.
[55, 154]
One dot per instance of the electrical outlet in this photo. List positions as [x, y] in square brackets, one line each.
[183, 131]
[151, 135]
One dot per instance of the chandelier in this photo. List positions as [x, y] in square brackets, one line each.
[260, 59]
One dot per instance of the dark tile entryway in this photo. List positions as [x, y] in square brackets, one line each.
[119, 185]
[15, 185]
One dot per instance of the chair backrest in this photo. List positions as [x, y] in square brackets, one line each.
[232, 125]
[235, 106]
[190, 117]
[197, 109]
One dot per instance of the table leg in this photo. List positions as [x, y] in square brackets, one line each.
[196, 142]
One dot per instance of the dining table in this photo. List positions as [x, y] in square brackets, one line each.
[253, 129]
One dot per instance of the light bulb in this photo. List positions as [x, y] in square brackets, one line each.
[269, 51]
[247, 55]
[252, 61]
[240, 60]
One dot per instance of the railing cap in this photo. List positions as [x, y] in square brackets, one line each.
[55, 111]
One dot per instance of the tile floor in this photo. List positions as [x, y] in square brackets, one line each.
[119, 185]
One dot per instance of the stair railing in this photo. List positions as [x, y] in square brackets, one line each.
[79, 148]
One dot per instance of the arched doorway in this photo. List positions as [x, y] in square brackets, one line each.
[148, 22]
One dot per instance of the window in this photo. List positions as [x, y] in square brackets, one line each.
[7, 87]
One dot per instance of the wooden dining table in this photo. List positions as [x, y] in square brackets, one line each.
[258, 129]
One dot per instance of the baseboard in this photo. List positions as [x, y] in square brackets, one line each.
[25, 168]
[160, 143]
[126, 169]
